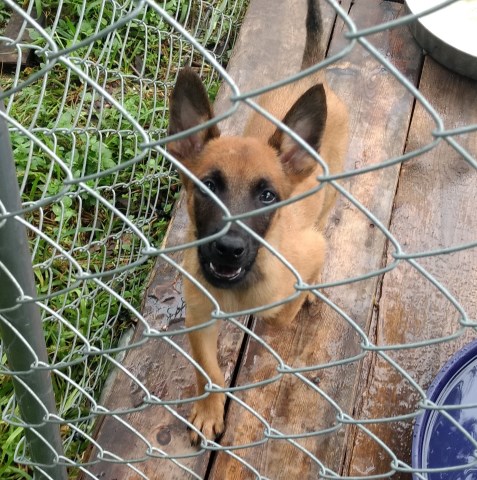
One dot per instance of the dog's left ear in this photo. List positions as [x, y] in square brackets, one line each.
[307, 117]
[189, 107]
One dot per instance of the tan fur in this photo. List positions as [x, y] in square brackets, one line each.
[262, 155]
[335, 139]
[295, 231]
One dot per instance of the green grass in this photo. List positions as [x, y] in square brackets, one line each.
[90, 135]
[4, 16]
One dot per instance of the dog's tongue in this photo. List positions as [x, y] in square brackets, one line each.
[224, 271]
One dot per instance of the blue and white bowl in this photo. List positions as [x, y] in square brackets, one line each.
[438, 442]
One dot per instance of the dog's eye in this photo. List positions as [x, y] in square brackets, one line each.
[267, 197]
[209, 184]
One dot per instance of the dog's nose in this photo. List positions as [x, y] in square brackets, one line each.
[230, 246]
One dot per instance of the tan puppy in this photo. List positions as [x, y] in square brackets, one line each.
[246, 173]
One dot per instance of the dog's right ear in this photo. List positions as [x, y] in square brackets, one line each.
[307, 118]
[189, 107]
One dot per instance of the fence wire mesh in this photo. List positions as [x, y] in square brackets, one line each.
[87, 121]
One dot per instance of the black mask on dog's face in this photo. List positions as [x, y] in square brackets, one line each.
[227, 260]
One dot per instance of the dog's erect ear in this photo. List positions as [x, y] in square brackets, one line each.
[189, 107]
[307, 117]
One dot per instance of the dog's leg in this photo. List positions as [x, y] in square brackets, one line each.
[208, 413]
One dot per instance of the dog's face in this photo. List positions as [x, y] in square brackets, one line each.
[244, 173]
[233, 169]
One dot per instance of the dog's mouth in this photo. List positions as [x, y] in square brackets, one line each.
[224, 272]
[221, 275]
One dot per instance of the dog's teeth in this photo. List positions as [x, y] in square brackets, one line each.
[229, 274]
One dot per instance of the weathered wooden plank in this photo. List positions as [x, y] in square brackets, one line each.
[380, 113]
[434, 208]
[9, 54]
[165, 373]
[269, 49]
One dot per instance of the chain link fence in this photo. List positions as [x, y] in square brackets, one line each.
[86, 109]
[95, 201]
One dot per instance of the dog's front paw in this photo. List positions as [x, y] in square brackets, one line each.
[208, 417]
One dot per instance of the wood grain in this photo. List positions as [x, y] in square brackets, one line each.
[433, 209]
[380, 114]
[161, 369]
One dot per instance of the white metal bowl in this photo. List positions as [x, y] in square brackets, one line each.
[450, 34]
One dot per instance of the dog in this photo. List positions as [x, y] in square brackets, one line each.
[258, 169]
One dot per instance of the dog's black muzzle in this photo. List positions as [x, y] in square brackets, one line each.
[226, 260]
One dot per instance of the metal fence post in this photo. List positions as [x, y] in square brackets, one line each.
[21, 327]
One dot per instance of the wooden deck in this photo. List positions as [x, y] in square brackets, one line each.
[427, 204]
